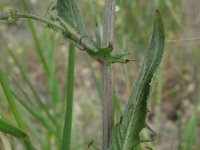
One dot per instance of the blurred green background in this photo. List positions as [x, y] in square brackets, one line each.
[35, 61]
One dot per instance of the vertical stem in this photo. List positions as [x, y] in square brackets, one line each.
[66, 141]
[108, 113]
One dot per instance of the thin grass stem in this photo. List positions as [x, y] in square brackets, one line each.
[26, 79]
[66, 141]
[14, 108]
[33, 113]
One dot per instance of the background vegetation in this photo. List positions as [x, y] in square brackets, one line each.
[35, 65]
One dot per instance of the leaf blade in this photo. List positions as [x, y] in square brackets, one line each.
[7, 128]
[69, 11]
[126, 133]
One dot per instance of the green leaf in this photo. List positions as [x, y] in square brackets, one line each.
[108, 55]
[116, 56]
[14, 108]
[7, 128]
[70, 18]
[69, 11]
[101, 55]
[126, 133]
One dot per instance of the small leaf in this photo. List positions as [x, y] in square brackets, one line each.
[109, 56]
[125, 134]
[102, 55]
[116, 56]
[7, 128]
[119, 54]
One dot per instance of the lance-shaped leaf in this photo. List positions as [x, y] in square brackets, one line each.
[125, 134]
[7, 128]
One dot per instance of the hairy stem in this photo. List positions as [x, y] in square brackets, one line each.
[108, 113]
[62, 26]
[107, 105]
[34, 17]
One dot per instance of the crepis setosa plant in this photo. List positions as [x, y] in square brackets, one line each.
[125, 134]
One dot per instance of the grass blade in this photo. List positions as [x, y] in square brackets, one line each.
[5, 142]
[52, 78]
[66, 141]
[191, 131]
[14, 108]
[33, 113]
[24, 93]
[28, 82]
[7, 128]
[35, 38]
[35, 131]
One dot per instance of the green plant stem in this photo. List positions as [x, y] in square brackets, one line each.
[22, 91]
[34, 113]
[35, 132]
[26, 79]
[14, 108]
[47, 67]
[63, 27]
[34, 17]
[35, 38]
[108, 112]
[66, 141]
[76, 37]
